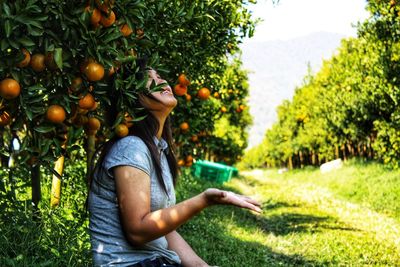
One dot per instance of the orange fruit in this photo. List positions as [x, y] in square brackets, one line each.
[204, 93]
[108, 20]
[96, 104]
[55, 114]
[5, 118]
[111, 71]
[80, 120]
[184, 126]
[25, 62]
[242, 107]
[188, 97]
[238, 110]
[223, 109]
[188, 164]
[181, 163]
[87, 102]
[85, 63]
[37, 62]
[50, 62]
[76, 83]
[94, 71]
[183, 80]
[180, 90]
[128, 120]
[194, 138]
[125, 30]
[9, 88]
[216, 95]
[189, 158]
[95, 17]
[121, 130]
[93, 124]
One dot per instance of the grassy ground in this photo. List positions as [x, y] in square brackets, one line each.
[309, 219]
[348, 217]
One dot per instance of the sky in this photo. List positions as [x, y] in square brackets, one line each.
[293, 18]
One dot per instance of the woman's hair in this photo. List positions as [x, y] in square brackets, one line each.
[146, 130]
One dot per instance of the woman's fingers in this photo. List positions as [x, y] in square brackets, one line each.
[243, 202]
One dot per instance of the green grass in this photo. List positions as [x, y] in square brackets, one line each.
[366, 183]
[349, 217]
[307, 220]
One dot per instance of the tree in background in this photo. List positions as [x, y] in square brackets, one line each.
[350, 106]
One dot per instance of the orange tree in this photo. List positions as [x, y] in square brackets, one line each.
[63, 61]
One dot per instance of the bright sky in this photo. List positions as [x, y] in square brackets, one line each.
[293, 18]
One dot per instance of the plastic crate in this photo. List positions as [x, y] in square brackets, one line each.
[212, 171]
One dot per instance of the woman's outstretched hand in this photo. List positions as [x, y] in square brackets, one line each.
[217, 196]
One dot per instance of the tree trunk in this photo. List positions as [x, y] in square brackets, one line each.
[337, 152]
[36, 190]
[301, 159]
[313, 158]
[91, 149]
[56, 183]
[290, 163]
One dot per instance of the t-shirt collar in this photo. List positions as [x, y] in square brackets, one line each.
[161, 144]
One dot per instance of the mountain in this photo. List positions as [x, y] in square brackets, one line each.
[276, 68]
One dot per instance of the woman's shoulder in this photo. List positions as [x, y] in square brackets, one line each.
[131, 140]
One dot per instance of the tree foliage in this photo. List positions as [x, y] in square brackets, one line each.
[350, 106]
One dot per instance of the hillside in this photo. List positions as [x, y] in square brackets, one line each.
[276, 67]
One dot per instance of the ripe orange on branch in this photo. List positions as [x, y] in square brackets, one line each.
[180, 89]
[126, 30]
[181, 163]
[38, 62]
[184, 126]
[9, 89]
[25, 62]
[76, 83]
[204, 93]
[183, 80]
[108, 20]
[93, 124]
[87, 102]
[94, 71]
[55, 114]
[95, 17]
[121, 130]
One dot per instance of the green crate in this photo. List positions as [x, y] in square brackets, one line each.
[212, 171]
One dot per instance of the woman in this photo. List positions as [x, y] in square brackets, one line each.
[133, 215]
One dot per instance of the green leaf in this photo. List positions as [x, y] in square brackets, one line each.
[44, 129]
[58, 57]
[7, 28]
[6, 9]
[26, 41]
[4, 44]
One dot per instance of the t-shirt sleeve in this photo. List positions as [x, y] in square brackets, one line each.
[128, 151]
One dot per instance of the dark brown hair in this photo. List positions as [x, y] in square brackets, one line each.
[146, 130]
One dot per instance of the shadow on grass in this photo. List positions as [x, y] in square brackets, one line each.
[218, 245]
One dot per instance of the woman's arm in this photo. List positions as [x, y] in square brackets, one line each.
[141, 225]
[188, 257]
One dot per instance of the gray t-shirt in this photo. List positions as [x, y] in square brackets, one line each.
[109, 245]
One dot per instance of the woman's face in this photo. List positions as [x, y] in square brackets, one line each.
[164, 100]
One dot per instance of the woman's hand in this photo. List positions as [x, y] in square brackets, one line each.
[216, 196]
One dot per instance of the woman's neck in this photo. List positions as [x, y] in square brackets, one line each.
[161, 122]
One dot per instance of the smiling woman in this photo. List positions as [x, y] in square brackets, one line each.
[132, 204]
